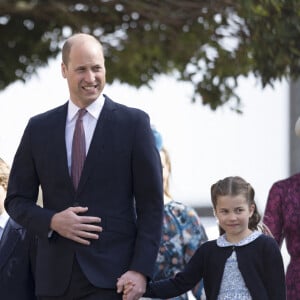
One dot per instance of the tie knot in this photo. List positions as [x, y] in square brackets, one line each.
[81, 113]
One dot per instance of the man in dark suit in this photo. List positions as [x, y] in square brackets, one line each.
[17, 252]
[109, 226]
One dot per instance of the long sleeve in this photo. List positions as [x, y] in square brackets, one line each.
[181, 283]
[273, 217]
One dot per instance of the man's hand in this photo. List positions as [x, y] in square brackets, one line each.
[138, 285]
[74, 227]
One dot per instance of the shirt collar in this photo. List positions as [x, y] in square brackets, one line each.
[222, 241]
[3, 219]
[93, 109]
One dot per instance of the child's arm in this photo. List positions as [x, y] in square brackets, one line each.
[168, 288]
[181, 283]
[172, 287]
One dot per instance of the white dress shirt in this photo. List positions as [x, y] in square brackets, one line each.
[89, 124]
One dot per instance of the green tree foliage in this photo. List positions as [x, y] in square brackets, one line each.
[209, 43]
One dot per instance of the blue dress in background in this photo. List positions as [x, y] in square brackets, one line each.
[182, 234]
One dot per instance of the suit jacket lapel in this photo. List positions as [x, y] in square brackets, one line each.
[9, 240]
[102, 135]
[59, 140]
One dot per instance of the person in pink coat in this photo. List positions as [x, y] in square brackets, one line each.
[282, 216]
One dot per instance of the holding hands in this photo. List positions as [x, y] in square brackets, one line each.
[127, 289]
[132, 284]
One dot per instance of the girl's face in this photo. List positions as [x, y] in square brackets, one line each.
[233, 213]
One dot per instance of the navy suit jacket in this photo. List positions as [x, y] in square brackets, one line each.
[121, 183]
[16, 263]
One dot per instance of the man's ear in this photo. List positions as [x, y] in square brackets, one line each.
[63, 70]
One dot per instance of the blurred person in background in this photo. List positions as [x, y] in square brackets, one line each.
[282, 216]
[17, 252]
[182, 231]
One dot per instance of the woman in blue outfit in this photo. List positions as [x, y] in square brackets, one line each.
[182, 234]
[182, 231]
[242, 264]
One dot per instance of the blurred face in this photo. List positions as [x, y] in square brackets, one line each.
[165, 167]
[2, 197]
[85, 72]
[233, 213]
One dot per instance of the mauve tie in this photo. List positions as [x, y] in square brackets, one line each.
[78, 149]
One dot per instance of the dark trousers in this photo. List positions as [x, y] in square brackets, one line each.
[81, 289]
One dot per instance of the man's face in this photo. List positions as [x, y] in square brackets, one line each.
[85, 72]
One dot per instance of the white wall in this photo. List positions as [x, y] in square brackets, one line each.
[205, 146]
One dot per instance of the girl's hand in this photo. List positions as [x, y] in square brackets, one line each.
[128, 287]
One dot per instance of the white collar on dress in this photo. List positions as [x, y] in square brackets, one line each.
[222, 241]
